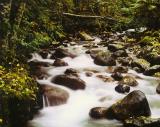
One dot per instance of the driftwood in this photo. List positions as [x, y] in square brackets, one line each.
[88, 17]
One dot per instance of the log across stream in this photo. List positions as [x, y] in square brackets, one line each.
[70, 105]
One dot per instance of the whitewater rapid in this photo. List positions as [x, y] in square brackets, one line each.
[75, 113]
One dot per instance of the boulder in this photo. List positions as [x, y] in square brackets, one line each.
[135, 104]
[158, 89]
[117, 76]
[129, 81]
[36, 69]
[97, 112]
[142, 122]
[122, 89]
[115, 47]
[58, 62]
[69, 81]
[88, 74]
[85, 37]
[120, 53]
[61, 53]
[124, 61]
[71, 71]
[104, 59]
[109, 61]
[121, 69]
[44, 54]
[152, 70]
[55, 95]
[140, 63]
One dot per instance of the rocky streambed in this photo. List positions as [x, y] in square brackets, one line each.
[92, 83]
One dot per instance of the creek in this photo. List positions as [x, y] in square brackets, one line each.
[75, 113]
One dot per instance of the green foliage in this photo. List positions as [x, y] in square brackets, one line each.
[147, 13]
[16, 83]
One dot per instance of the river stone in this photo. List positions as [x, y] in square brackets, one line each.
[85, 37]
[105, 78]
[152, 70]
[58, 62]
[124, 61]
[104, 59]
[88, 74]
[140, 63]
[55, 95]
[97, 112]
[158, 89]
[122, 89]
[117, 76]
[69, 81]
[71, 71]
[61, 53]
[142, 122]
[36, 69]
[128, 80]
[135, 104]
[120, 53]
[44, 54]
[121, 69]
[115, 47]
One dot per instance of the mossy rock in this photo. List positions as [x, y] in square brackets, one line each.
[141, 63]
[142, 122]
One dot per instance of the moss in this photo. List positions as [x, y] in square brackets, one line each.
[157, 74]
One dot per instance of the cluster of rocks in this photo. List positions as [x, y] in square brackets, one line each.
[133, 110]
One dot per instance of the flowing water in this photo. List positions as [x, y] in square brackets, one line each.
[75, 113]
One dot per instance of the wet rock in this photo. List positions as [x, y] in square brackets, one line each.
[34, 64]
[69, 81]
[140, 63]
[104, 59]
[97, 112]
[55, 95]
[135, 104]
[85, 37]
[137, 69]
[61, 53]
[36, 69]
[117, 76]
[121, 69]
[115, 47]
[96, 52]
[142, 122]
[105, 78]
[152, 70]
[158, 89]
[122, 89]
[120, 53]
[89, 74]
[71, 71]
[44, 54]
[59, 62]
[129, 81]
[124, 61]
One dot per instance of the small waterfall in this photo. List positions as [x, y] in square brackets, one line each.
[45, 101]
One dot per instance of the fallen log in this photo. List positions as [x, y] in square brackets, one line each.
[89, 17]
